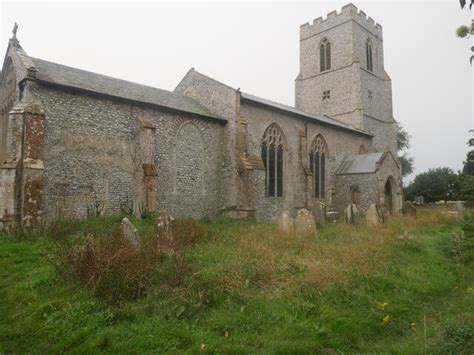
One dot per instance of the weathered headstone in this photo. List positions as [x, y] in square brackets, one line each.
[373, 216]
[286, 224]
[131, 233]
[352, 214]
[304, 223]
[164, 232]
[408, 210]
[319, 212]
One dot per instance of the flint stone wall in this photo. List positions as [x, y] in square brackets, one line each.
[90, 153]
[367, 184]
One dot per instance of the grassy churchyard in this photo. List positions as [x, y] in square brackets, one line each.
[229, 286]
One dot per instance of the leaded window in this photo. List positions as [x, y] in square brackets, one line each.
[368, 50]
[317, 164]
[325, 55]
[272, 156]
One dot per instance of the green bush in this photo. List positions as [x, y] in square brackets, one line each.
[468, 240]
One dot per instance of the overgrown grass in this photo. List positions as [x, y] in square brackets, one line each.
[240, 286]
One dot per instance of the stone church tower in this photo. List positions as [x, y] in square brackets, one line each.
[342, 75]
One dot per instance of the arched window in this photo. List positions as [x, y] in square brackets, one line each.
[272, 156]
[325, 55]
[368, 50]
[317, 164]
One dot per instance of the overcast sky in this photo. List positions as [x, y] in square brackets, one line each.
[254, 46]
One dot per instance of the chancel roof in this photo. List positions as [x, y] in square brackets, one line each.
[58, 74]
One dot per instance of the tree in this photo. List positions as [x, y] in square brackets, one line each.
[403, 143]
[468, 168]
[434, 185]
[466, 177]
[465, 31]
[463, 3]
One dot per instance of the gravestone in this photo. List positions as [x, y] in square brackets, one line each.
[131, 233]
[286, 224]
[352, 214]
[373, 216]
[164, 232]
[408, 210]
[304, 223]
[319, 212]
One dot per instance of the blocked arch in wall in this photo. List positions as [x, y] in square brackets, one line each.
[189, 162]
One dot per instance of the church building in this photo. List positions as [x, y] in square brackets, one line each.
[78, 144]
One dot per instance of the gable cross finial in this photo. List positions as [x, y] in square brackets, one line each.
[15, 28]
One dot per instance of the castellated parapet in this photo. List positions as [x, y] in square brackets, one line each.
[348, 12]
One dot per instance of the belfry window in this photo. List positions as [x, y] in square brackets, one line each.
[368, 50]
[325, 55]
[272, 156]
[317, 164]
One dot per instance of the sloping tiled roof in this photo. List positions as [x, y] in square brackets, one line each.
[360, 164]
[81, 79]
[321, 118]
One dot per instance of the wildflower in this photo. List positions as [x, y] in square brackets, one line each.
[470, 289]
[413, 325]
[203, 347]
[386, 319]
[382, 305]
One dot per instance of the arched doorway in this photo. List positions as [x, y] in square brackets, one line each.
[389, 195]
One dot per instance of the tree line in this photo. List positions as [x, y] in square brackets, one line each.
[445, 184]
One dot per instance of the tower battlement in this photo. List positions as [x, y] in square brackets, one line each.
[348, 12]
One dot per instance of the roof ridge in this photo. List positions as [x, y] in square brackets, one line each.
[105, 76]
[323, 118]
[66, 76]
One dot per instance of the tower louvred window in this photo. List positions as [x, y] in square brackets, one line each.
[317, 164]
[368, 50]
[272, 157]
[325, 55]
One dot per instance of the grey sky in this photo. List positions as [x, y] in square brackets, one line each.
[254, 46]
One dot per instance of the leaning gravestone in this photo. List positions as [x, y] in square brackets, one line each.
[286, 224]
[373, 217]
[352, 214]
[408, 210]
[130, 233]
[304, 223]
